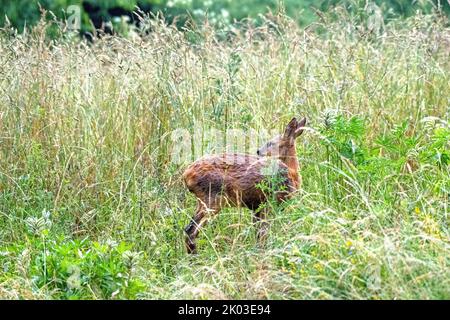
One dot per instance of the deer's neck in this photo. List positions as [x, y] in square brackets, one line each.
[289, 158]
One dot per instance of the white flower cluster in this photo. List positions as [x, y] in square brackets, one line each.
[179, 3]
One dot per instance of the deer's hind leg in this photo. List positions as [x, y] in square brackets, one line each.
[261, 223]
[205, 209]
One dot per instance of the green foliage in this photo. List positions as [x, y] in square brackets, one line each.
[76, 269]
[344, 135]
[438, 149]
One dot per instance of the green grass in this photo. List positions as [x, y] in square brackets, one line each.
[92, 207]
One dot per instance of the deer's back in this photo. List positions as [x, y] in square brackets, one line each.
[239, 178]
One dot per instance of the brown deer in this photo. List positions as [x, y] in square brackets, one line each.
[235, 180]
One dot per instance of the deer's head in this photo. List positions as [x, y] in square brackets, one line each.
[281, 144]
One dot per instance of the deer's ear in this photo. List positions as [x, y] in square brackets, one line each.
[290, 129]
[300, 127]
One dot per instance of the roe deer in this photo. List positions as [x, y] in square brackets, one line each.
[234, 179]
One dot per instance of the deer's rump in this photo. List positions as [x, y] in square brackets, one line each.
[238, 179]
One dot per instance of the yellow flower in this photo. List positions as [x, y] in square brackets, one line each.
[318, 267]
[417, 210]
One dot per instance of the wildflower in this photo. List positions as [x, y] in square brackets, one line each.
[318, 267]
[131, 259]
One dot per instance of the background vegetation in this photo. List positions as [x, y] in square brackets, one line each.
[27, 12]
[92, 207]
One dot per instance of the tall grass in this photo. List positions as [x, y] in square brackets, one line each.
[92, 205]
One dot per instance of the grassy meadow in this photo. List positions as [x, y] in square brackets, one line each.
[93, 207]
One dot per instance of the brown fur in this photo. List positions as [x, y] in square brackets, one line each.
[233, 180]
